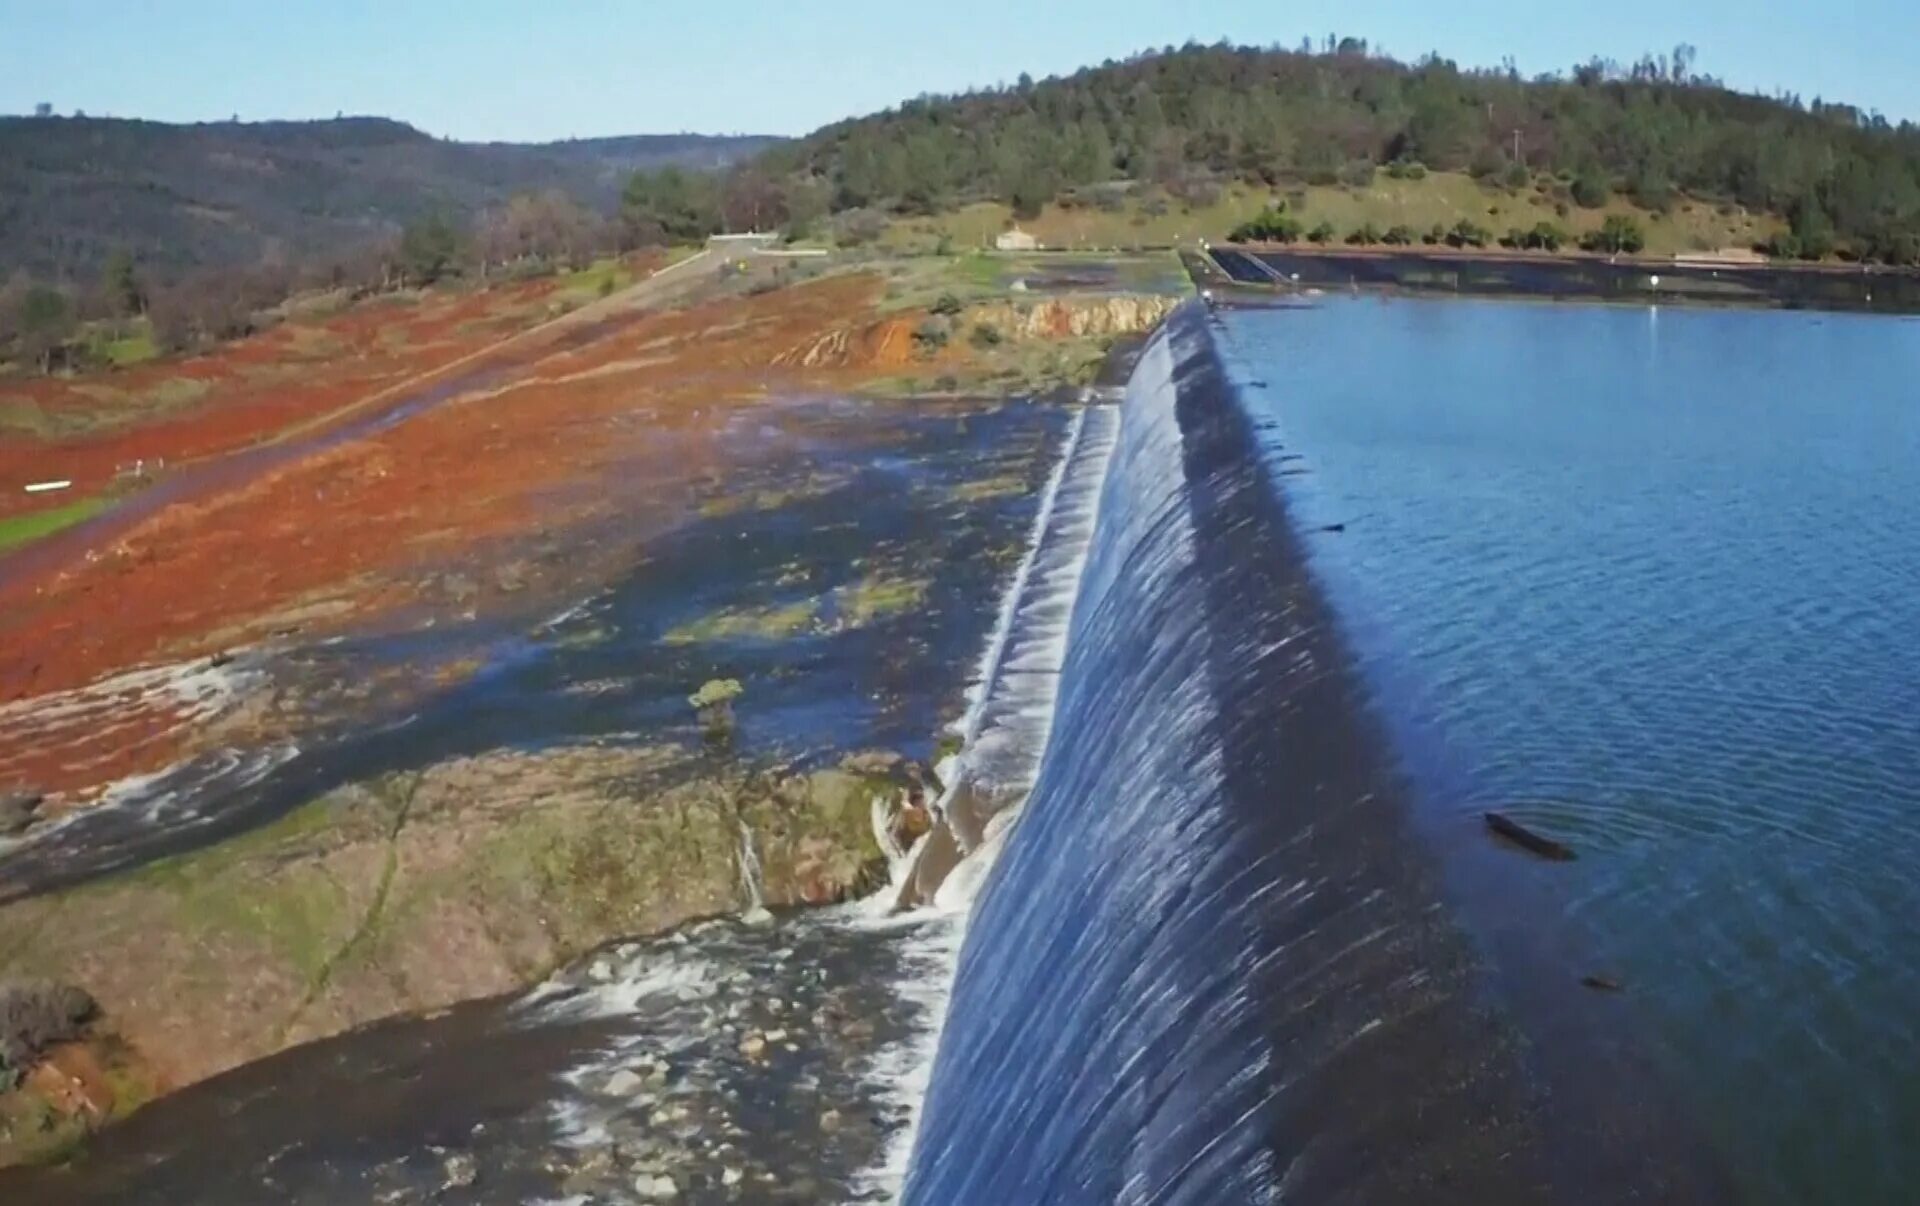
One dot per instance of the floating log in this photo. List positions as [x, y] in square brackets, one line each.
[1333, 527]
[1601, 983]
[1527, 839]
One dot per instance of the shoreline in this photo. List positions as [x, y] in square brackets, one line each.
[1441, 271]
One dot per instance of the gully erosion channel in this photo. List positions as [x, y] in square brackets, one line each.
[1184, 929]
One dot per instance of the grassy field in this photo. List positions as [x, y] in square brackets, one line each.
[1441, 198]
[19, 529]
[917, 282]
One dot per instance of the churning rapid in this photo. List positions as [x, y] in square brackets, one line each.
[1213, 962]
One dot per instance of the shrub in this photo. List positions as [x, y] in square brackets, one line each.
[1617, 234]
[1366, 236]
[1271, 225]
[1467, 233]
[985, 336]
[1518, 177]
[1407, 169]
[1435, 236]
[1321, 234]
[1546, 237]
[713, 703]
[1197, 192]
[1358, 174]
[1399, 236]
[947, 303]
[931, 334]
[1591, 189]
[858, 226]
[1653, 191]
[35, 1015]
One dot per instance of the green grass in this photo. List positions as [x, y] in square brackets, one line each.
[1445, 198]
[133, 348]
[918, 281]
[1439, 197]
[595, 280]
[16, 530]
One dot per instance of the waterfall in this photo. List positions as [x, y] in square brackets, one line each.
[752, 883]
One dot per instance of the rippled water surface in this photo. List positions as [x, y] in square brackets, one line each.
[1651, 581]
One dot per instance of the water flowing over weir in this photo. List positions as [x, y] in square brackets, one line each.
[1212, 964]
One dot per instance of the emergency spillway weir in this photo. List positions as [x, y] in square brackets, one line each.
[1212, 962]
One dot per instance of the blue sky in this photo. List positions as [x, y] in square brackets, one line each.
[484, 69]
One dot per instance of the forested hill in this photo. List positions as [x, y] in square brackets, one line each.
[73, 191]
[1850, 182]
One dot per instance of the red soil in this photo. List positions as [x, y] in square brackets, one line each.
[254, 388]
[621, 416]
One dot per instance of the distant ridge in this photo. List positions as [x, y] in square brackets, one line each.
[75, 189]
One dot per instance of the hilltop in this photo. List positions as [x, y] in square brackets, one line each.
[1187, 125]
[75, 190]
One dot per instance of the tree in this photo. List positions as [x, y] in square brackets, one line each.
[750, 200]
[670, 205]
[547, 228]
[1619, 234]
[1591, 188]
[807, 202]
[43, 319]
[1811, 228]
[429, 250]
[120, 284]
[1366, 236]
[1321, 234]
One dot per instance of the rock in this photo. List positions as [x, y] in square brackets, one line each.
[18, 811]
[731, 1177]
[830, 1121]
[623, 1083]
[460, 1171]
[655, 1187]
[776, 1036]
[754, 1046]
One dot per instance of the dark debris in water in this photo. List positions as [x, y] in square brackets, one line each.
[1528, 840]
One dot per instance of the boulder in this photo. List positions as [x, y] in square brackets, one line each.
[18, 811]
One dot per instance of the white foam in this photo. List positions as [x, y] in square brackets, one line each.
[1008, 722]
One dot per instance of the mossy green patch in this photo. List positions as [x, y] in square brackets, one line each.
[874, 598]
[17, 530]
[1006, 486]
[770, 623]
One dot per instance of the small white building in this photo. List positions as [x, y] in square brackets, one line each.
[1016, 240]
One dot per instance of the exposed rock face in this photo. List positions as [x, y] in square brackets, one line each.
[889, 342]
[1075, 317]
[421, 889]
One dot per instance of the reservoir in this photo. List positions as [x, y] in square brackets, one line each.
[1648, 580]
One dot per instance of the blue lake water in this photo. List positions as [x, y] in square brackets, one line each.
[1650, 580]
